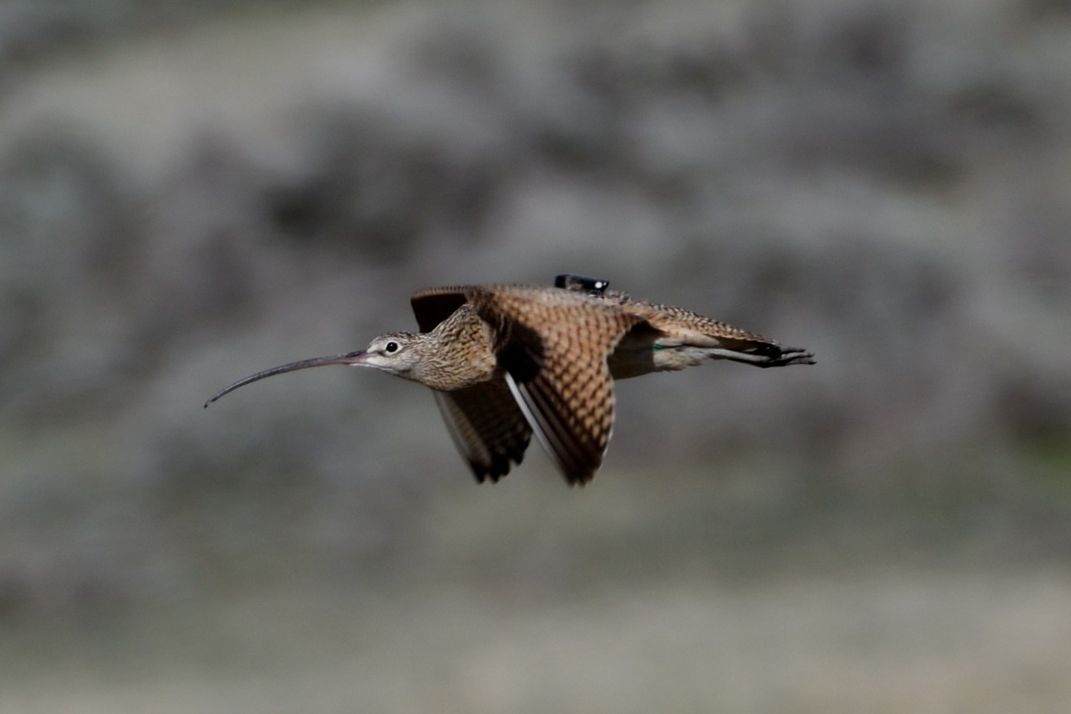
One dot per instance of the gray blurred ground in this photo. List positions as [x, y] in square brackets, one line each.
[188, 195]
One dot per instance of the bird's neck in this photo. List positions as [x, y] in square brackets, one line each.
[458, 353]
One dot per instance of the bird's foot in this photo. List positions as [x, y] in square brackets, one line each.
[789, 355]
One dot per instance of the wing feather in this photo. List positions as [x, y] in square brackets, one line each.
[434, 305]
[487, 427]
[554, 347]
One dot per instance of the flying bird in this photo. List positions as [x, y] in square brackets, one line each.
[506, 361]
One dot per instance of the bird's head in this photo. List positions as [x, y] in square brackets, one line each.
[393, 353]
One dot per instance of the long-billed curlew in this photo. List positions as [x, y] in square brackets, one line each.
[505, 361]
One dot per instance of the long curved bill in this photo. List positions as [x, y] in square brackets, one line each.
[351, 358]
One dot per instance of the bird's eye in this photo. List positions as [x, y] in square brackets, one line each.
[390, 347]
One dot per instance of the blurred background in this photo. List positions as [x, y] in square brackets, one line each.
[190, 193]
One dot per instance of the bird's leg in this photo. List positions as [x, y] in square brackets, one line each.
[771, 356]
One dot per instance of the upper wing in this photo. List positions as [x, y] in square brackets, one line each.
[699, 329]
[434, 305]
[553, 346]
[487, 426]
[684, 327]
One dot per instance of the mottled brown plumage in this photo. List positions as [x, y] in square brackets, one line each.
[509, 360]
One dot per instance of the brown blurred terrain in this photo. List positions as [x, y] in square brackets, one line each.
[189, 195]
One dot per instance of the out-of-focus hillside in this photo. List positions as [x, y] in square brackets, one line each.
[187, 196]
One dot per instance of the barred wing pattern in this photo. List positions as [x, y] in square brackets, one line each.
[487, 427]
[554, 348]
